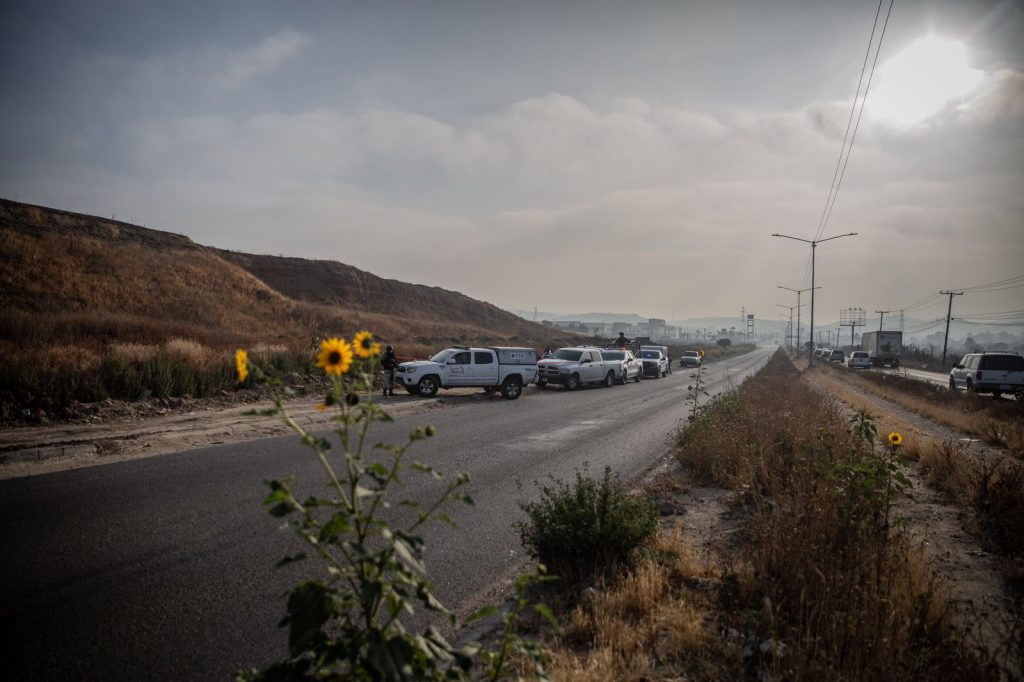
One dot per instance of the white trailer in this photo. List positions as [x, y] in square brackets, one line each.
[883, 347]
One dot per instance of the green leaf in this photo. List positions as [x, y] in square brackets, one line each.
[309, 609]
[549, 616]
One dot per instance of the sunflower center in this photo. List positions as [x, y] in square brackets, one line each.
[334, 358]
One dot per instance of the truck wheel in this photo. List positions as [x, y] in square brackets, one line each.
[609, 379]
[970, 386]
[541, 383]
[637, 377]
[511, 389]
[952, 385]
[573, 383]
[427, 387]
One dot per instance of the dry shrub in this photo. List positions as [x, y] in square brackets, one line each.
[949, 468]
[647, 625]
[134, 352]
[998, 498]
[192, 353]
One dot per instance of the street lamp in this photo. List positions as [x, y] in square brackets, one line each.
[814, 247]
[790, 308]
[798, 307]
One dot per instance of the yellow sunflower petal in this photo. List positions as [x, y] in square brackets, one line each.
[364, 345]
[242, 365]
[335, 356]
[895, 438]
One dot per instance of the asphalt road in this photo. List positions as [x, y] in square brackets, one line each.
[162, 568]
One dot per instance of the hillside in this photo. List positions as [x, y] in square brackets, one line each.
[73, 278]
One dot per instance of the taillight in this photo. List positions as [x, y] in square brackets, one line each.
[978, 375]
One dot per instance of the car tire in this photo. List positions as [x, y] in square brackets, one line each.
[970, 386]
[952, 385]
[609, 379]
[427, 387]
[637, 377]
[573, 382]
[512, 388]
[541, 383]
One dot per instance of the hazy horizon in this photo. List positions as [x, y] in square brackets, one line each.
[580, 156]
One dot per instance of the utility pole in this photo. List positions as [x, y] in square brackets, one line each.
[814, 247]
[790, 308]
[949, 312]
[882, 313]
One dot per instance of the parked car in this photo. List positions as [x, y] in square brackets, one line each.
[836, 355]
[631, 367]
[690, 358]
[859, 359]
[664, 353]
[996, 373]
[655, 363]
[573, 367]
[497, 368]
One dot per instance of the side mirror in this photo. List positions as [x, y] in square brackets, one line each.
[959, 367]
[585, 361]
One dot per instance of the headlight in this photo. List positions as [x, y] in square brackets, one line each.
[410, 370]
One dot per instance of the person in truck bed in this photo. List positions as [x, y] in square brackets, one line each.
[622, 342]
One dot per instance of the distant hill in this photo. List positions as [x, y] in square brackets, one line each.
[73, 278]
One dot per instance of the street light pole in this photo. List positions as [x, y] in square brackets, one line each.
[814, 247]
[790, 308]
[798, 307]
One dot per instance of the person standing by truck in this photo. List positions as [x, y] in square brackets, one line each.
[389, 362]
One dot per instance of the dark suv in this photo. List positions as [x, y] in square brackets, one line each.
[989, 373]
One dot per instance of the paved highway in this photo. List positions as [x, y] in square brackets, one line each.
[162, 568]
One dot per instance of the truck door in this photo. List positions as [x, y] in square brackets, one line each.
[485, 368]
[459, 369]
[595, 370]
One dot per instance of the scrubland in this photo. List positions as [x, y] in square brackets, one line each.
[811, 571]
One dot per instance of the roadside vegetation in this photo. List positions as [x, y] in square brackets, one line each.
[820, 581]
[996, 421]
[990, 488]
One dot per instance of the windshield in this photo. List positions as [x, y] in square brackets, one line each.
[613, 355]
[567, 354]
[691, 354]
[443, 356]
[651, 354]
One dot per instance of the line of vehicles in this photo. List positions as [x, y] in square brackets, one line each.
[510, 369]
[995, 372]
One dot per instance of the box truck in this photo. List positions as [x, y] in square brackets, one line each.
[883, 347]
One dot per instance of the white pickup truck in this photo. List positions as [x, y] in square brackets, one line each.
[497, 368]
[573, 367]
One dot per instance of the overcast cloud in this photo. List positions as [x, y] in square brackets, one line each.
[629, 157]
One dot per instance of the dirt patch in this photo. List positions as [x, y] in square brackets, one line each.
[114, 432]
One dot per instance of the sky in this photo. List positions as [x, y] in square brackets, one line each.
[573, 156]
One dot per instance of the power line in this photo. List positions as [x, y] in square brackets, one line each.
[849, 121]
[856, 127]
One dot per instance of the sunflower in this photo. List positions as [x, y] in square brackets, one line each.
[364, 345]
[895, 439]
[335, 356]
[242, 365]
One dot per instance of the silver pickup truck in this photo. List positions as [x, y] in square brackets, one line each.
[499, 368]
[574, 367]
